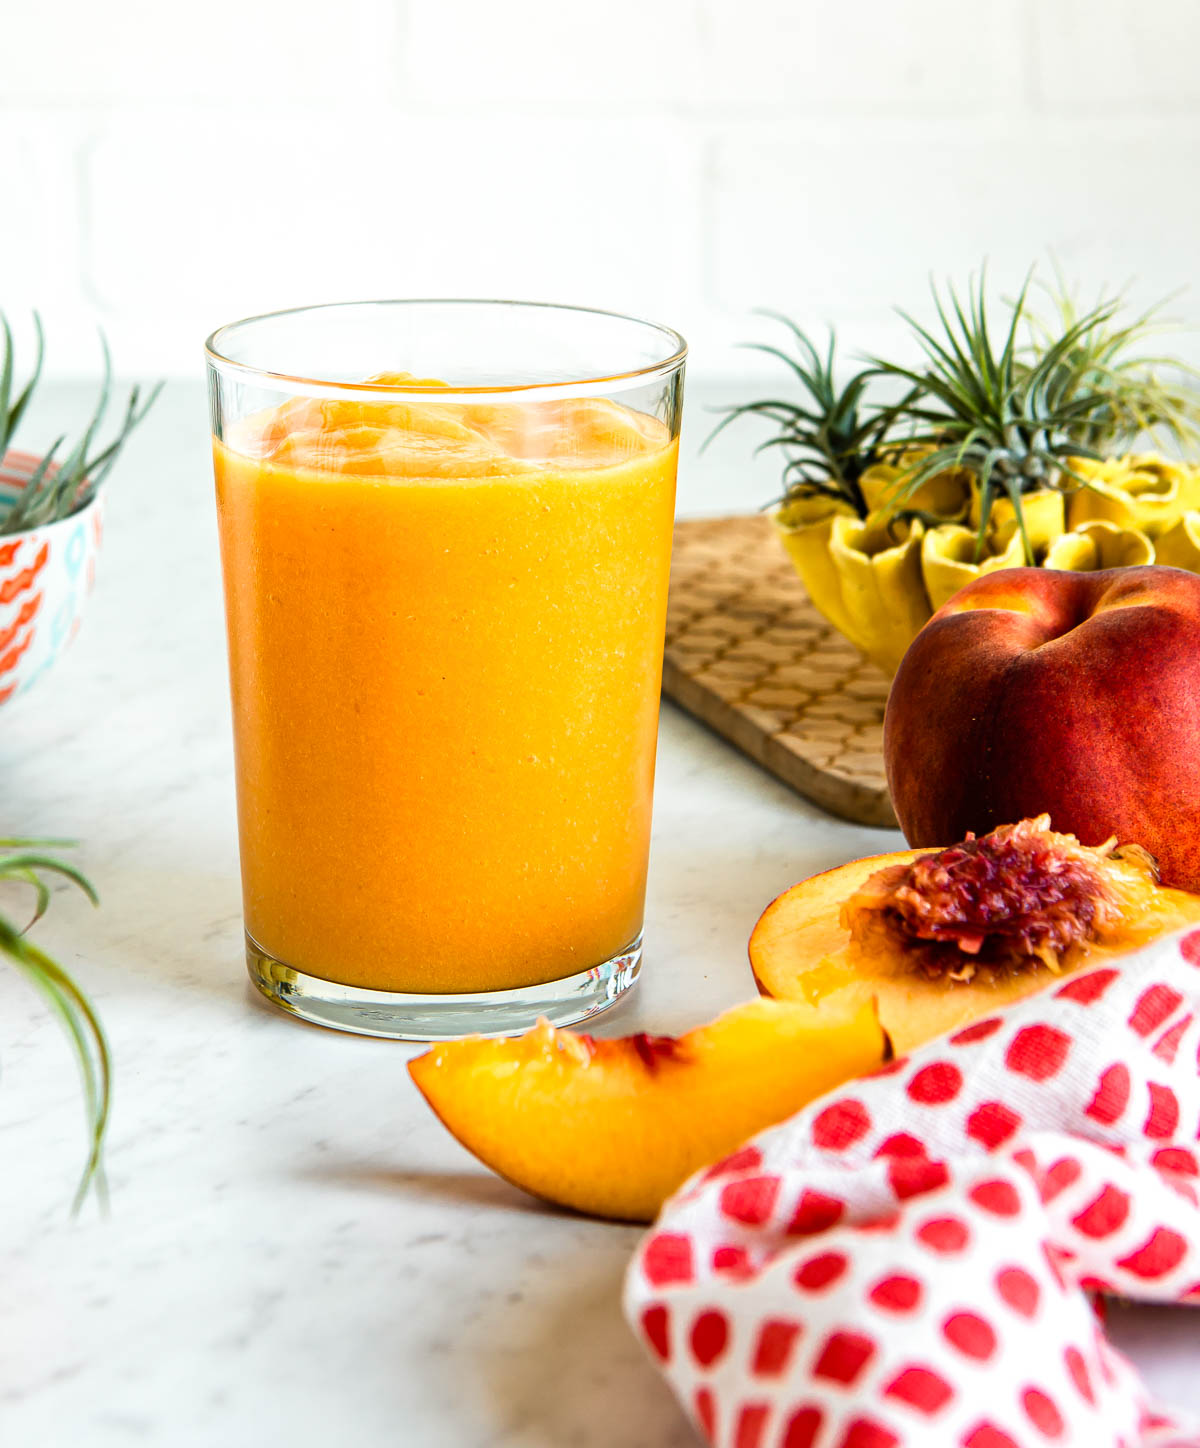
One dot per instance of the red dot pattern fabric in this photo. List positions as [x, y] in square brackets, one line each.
[914, 1259]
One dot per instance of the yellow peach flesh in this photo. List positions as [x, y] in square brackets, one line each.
[613, 1127]
[801, 951]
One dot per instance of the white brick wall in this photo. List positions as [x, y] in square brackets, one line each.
[863, 57]
[165, 168]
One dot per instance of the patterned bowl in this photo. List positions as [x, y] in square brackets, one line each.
[46, 575]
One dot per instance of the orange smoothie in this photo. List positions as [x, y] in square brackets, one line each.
[445, 632]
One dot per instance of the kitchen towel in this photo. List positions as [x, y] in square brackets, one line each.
[918, 1258]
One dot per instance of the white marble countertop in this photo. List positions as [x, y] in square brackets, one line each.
[296, 1251]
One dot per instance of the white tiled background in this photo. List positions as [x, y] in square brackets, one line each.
[168, 166]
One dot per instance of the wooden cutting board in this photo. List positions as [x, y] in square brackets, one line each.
[749, 655]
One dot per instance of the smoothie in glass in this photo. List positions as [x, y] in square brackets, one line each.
[445, 630]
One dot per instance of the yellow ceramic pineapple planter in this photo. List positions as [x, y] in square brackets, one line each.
[994, 458]
[805, 527]
[1179, 546]
[1144, 492]
[878, 565]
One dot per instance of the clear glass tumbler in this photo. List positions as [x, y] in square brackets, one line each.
[445, 593]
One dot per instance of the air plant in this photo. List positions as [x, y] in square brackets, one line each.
[1016, 411]
[1017, 414]
[26, 862]
[1109, 354]
[57, 489]
[831, 436]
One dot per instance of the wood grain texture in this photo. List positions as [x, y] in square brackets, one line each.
[749, 655]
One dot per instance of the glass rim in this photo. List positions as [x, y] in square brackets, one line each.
[218, 361]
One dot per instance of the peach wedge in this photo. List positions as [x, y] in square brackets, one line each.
[613, 1127]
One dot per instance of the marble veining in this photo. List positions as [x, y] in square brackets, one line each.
[296, 1251]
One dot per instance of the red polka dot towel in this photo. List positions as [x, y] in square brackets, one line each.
[912, 1260]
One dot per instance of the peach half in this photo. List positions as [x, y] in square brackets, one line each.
[831, 943]
[613, 1127]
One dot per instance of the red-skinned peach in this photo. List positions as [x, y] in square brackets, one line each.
[1074, 694]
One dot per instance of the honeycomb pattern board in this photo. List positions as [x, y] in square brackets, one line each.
[749, 655]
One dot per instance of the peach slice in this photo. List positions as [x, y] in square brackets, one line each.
[613, 1127]
[802, 949]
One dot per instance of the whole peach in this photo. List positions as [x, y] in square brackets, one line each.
[1076, 694]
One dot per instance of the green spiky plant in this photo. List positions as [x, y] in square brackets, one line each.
[26, 862]
[55, 491]
[1109, 354]
[1012, 409]
[831, 437]
[1016, 413]
[58, 489]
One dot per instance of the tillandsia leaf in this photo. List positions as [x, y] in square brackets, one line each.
[31, 500]
[32, 860]
[6, 377]
[17, 411]
[12, 412]
[79, 1020]
[64, 485]
[1012, 488]
[25, 862]
[832, 435]
[97, 468]
[55, 492]
[1108, 355]
[41, 895]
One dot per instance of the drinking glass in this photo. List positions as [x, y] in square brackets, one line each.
[445, 594]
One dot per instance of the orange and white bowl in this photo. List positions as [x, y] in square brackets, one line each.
[46, 575]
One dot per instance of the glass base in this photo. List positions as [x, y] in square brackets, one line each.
[406, 1017]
